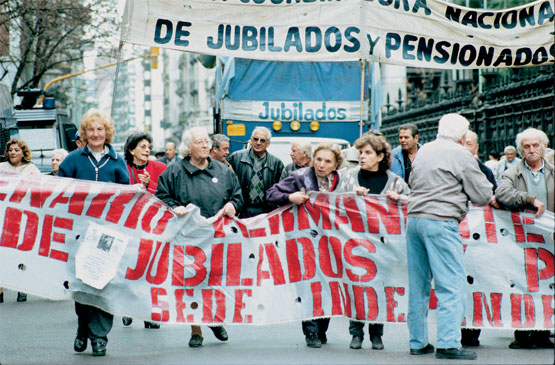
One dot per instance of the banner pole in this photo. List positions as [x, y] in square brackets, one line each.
[114, 92]
[362, 67]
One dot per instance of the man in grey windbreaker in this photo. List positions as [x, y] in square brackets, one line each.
[444, 177]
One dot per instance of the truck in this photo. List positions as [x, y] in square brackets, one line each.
[44, 128]
[291, 99]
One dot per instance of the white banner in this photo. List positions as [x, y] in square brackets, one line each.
[286, 111]
[336, 255]
[417, 33]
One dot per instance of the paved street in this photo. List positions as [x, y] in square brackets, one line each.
[42, 331]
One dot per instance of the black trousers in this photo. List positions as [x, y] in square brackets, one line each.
[316, 326]
[93, 322]
[356, 328]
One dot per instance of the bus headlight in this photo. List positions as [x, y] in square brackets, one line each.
[314, 126]
[276, 125]
[295, 125]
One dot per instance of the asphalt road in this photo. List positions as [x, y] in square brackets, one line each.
[40, 331]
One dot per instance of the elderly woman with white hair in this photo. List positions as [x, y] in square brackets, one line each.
[58, 156]
[204, 182]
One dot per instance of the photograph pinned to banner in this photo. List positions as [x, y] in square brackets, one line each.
[98, 257]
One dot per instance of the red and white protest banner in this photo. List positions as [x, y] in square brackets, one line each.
[122, 249]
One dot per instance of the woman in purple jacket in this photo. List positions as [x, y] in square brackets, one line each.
[320, 176]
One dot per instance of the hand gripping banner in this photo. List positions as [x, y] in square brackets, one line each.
[416, 33]
[121, 249]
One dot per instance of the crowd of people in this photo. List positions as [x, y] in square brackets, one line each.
[438, 180]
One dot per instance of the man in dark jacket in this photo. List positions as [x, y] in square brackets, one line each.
[257, 171]
[209, 184]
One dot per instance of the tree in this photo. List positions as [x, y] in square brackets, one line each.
[47, 36]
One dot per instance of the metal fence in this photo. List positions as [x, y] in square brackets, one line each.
[507, 106]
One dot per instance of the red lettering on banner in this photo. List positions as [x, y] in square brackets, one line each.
[493, 313]
[180, 305]
[98, 204]
[240, 305]
[275, 264]
[163, 222]
[273, 223]
[143, 257]
[321, 208]
[178, 272]
[117, 206]
[3, 195]
[390, 217]
[433, 299]
[11, 228]
[359, 261]
[464, 230]
[216, 265]
[261, 274]
[218, 227]
[548, 310]
[316, 288]
[133, 217]
[77, 201]
[257, 232]
[392, 304]
[64, 223]
[360, 293]
[532, 237]
[489, 221]
[346, 297]
[519, 230]
[353, 213]
[288, 220]
[60, 199]
[335, 290]
[234, 260]
[160, 307]
[516, 310]
[294, 266]
[325, 256]
[146, 221]
[162, 264]
[38, 196]
[30, 235]
[532, 257]
[207, 308]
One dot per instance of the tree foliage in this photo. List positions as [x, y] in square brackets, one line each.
[47, 37]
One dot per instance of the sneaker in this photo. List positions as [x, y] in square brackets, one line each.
[356, 342]
[455, 354]
[127, 321]
[428, 349]
[220, 333]
[195, 341]
[313, 341]
[377, 343]
[99, 348]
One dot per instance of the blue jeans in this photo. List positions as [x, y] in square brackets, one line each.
[435, 249]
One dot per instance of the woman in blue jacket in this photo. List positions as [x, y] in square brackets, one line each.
[96, 161]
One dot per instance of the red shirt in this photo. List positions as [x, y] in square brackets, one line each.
[154, 168]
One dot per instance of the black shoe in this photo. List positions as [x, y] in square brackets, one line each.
[220, 333]
[21, 297]
[323, 338]
[428, 349]
[2, 297]
[313, 341]
[152, 325]
[127, 321]
[98, 348]
[544, 344]
[80, 344]
[356, 343]
[518, 345]
[470, 342]
[377, 343]
[195, 341]
[455, 354]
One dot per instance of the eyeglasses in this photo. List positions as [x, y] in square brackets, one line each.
[261, 140]
[202, 141]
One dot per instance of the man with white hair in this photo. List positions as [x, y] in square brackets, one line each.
[444, 177]
[171, 155]
[507, 162]
[300, 155]
[529, 184]
[198, 180]
[257, 171]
